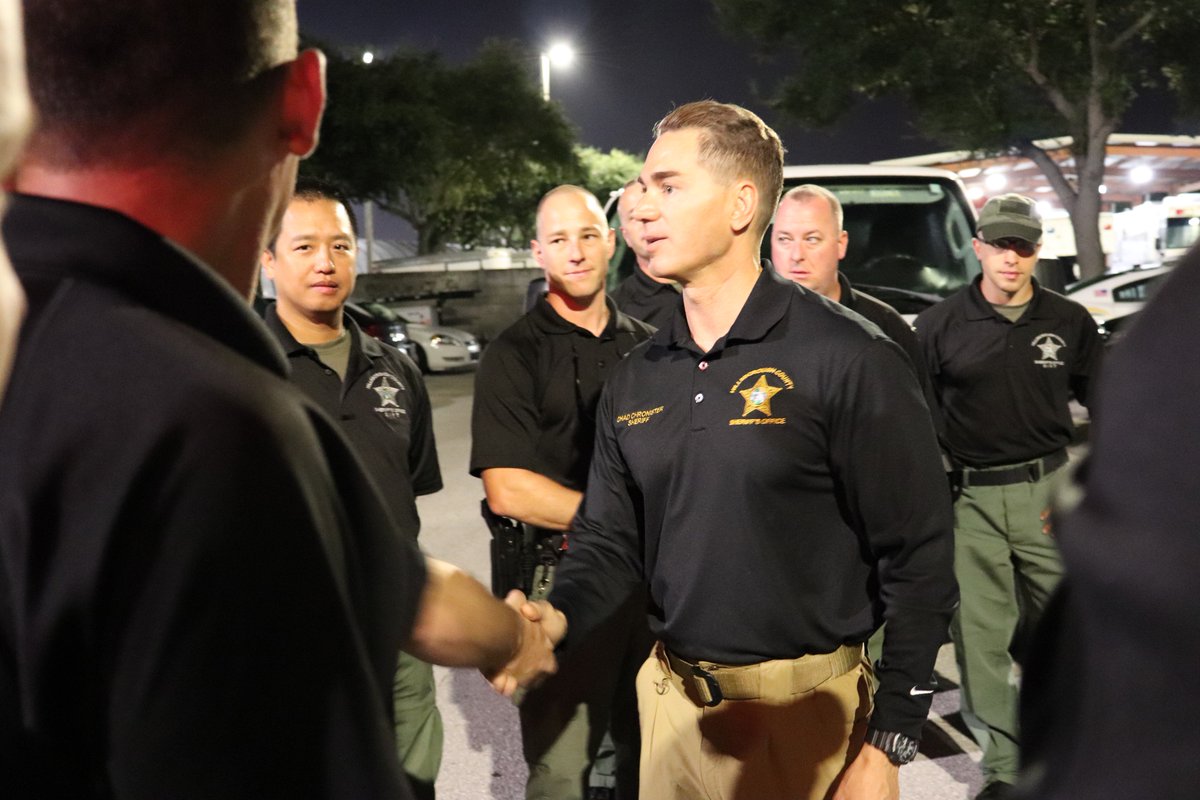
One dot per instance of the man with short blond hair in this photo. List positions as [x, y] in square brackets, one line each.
[766, 466]
[808, 241]
[532, 429]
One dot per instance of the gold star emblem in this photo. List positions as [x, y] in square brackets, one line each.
[758, 397]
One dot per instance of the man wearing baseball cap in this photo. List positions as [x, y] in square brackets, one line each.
[1005, 356]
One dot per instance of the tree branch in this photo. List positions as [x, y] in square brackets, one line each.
[1057, 99]
[1124, 36]
[1049, 167]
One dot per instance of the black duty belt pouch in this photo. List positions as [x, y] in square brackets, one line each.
[522, 556]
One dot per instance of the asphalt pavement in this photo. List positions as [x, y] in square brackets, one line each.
[483, 746]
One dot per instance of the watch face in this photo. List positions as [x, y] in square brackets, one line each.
[906, 750]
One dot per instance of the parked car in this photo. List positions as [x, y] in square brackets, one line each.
[384, 324]
[1113, 300]
[438, 349]
[910, 231]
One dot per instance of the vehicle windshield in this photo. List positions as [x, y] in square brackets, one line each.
[910, 240]
[1182, 232]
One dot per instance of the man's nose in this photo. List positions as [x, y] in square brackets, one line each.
[324, 260]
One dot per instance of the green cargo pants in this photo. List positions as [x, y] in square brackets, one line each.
[418, 724]
[1006, 567]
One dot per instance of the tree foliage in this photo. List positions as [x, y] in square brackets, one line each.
[606, 172]
[462, 153]
[987, 75]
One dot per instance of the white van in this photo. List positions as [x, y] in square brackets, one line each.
[909, 228]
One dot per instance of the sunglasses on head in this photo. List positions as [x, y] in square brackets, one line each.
[1019, 246]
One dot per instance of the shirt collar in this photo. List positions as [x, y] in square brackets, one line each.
[848, 299]
[101, 246]
[546, 319]
[369, 346]
[766, 305]
[978, 306]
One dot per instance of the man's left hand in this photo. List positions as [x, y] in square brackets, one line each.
[871, 776]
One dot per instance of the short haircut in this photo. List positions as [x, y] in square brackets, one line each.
[734, 143]
[127, 82]
[810, 191]
[312, 189]
[567, 188]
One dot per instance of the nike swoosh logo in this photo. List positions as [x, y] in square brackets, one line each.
[914, 691]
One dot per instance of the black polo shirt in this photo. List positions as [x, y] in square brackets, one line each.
[381, 406]
[646, 299]
[1003, 387]
[202, 593]
[536, 392]
[782, 495]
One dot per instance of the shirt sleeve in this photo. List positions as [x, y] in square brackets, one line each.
[885, 456]
[1086, 368]
[423, 463]
[604, 558]
[504, 417]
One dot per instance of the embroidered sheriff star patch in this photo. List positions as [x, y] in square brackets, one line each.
[758, 397]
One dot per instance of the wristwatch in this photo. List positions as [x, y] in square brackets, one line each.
[900, 749]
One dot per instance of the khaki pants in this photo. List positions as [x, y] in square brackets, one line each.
[781, 746]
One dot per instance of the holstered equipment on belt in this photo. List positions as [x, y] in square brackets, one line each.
[711, 682]
[523, 557]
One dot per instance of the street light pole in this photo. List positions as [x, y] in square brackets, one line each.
[561, 55]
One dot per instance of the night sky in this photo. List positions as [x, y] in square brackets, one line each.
[634, 62]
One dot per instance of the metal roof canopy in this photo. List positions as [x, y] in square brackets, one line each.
[1174, 162]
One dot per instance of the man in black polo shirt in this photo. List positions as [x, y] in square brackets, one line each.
[202, 593]
[767, 465]
[532, 430]
[641, 295]
[376, 395]
[1005, 356]
[808, 241]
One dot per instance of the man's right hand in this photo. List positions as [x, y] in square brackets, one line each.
[552, 620]
[533, 657]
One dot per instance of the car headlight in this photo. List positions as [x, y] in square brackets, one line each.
[442, 340]
[472, 346]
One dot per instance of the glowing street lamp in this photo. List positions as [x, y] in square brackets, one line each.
[368, 57]
[560, 55]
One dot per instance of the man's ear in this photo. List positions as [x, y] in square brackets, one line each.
[535, 247]
[745, 204]
[304, 102]
[267, 261]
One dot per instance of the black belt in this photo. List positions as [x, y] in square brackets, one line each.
[1031, 472]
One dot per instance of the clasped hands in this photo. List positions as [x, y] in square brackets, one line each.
[540, 628]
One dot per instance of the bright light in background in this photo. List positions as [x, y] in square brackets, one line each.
[1044, 189]
[969, 172]
[975, 193]
[1103, 189]
[1044, 208]
[1141, 174]
[368, 57]
[561, 54]
[995, 182]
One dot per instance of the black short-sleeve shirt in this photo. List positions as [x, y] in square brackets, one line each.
[536, 392]
[781, 494]
[1003, 388]
[382, 407]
